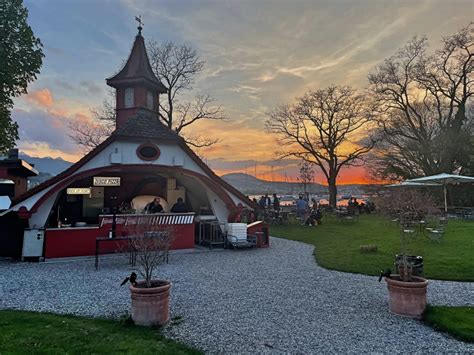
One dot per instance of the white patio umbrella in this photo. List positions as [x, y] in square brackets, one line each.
[411, 184]
[443, 179]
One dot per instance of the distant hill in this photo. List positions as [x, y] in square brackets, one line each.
[47, 165]
[250, 185]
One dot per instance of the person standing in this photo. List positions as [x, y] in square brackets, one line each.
[276, 203]
[268, 201]
[276, 208]
[301, 207]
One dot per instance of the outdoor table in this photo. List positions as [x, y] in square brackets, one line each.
[341, 213]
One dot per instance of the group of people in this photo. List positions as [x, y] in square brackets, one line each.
[268, 205]
[266, 202]
[156, 207]
[354, 206]
[309, 215]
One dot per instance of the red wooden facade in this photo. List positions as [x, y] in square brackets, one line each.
[67, 242]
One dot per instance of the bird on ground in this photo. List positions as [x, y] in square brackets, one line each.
[385, 273]
[132, 278]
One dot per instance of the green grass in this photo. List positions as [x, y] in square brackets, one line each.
[456, 321]
[337, 247]
[29, 332]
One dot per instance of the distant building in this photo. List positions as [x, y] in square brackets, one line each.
[14, 174]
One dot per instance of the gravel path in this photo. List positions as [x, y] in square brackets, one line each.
[246, 301]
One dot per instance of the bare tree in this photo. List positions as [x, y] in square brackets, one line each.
[408, 206]
[423, 107]
[322, 128]
[177, 67]
[151, 244]
[88, 135]
[306, 174]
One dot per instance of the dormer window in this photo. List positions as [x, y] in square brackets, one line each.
[149, 100]
[129, 97]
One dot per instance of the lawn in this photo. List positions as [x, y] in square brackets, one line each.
[456, 321]
[29, 332]
[337, 246]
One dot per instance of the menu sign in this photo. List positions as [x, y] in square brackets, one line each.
[78, 191]
[106, 181]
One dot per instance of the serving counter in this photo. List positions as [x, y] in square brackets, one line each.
[81, 241]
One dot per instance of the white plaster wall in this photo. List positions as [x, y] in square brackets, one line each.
[38, 219]
[129, 156]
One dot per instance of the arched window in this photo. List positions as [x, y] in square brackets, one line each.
[149, 100]
[129, 97]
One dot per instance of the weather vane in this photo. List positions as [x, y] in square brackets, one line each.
[140, 23]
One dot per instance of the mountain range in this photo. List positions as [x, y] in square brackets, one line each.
[52, 166]
[250, 185]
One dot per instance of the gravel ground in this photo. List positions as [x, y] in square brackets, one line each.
[245, 301]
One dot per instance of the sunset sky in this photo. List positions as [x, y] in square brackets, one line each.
[258, 54]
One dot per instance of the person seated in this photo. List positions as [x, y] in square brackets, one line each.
[314, 217]
[154, 206]
[317, 215]
[125, 207]
[179, 206]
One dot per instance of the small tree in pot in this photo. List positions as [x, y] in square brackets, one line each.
[408, 207]
[150, 244]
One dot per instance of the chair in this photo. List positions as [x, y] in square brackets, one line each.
[435, 234]
[468, 214]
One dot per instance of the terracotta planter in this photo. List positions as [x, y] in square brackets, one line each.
[407, 298]
[150, 306]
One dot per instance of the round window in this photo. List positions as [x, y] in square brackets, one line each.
[148, 151]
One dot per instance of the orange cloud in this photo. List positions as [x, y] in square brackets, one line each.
[42, 97]
[41, 149]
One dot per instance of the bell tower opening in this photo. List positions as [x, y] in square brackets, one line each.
[136, 86]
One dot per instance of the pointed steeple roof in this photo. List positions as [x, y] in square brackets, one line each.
[137, 70]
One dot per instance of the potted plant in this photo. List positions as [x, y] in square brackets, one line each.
[407, 292]
[150, 297]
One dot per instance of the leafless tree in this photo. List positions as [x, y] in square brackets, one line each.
[88, 135]
[408, 206]
[151, 243]
[323, 127]
[306, 174]
[177, 67]
[424, 101]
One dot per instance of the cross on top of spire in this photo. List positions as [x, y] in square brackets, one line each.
[140, 24]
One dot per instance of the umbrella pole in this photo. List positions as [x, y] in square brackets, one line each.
[445, 200]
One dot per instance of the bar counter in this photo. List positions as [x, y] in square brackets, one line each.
[80, 241]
